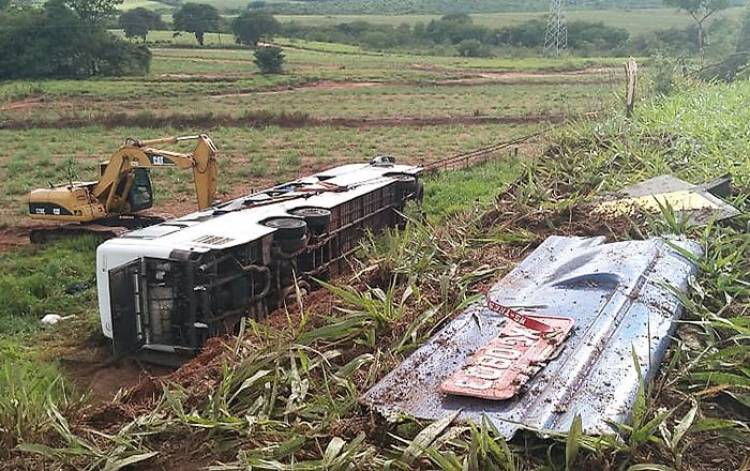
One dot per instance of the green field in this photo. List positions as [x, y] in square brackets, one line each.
[150, 4]
[285, 395]
[701, 397]
[215, 89]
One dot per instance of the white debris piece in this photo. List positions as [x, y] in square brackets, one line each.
[53, 319]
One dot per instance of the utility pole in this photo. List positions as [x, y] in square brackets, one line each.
[556, 34]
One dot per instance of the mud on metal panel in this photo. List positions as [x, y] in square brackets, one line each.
[620, 297]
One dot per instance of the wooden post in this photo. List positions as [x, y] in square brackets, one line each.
[631, 75]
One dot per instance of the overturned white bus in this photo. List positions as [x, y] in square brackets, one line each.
[165, 289]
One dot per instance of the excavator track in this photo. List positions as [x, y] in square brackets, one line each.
[102, 230]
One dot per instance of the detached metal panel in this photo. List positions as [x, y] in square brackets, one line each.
[618, 297]
[700, 204]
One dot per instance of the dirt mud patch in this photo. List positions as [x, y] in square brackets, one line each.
[543, 74]
[584, 76]
[206, 59]
[200, 77]
[329, 85]
[104, 380]
[21, 105]
[14, 237]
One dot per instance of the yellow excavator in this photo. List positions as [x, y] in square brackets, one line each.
[110, 206]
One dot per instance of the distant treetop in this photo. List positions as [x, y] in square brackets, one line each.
[196, 18]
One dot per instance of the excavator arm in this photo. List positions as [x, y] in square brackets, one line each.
[117, 177]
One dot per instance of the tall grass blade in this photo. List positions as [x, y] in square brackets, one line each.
[425, 438]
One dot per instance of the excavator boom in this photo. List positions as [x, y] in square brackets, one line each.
[140, 154]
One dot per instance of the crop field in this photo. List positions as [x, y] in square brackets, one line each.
[284, 394]
[329, 107]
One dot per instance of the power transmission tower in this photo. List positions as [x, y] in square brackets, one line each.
[556, 34]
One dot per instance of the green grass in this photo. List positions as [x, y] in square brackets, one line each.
[35, 281]
[57, 279]
[697, 136]
[512, 99]
[198, 72]
[451, 193]
[431, 101]
[351, 59]
[27, 386]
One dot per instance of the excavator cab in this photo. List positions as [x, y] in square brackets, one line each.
[133, 192]
[141, 195]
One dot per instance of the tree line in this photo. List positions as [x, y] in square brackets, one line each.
[249, 28]
[65, 38]
[70, 38]
[453, 33]
[457, 31]
[441, 7]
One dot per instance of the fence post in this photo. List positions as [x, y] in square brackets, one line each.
[631, 75]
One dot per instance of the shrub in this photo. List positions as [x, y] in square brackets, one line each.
[472, 48]
[663, 76]
[269, 59]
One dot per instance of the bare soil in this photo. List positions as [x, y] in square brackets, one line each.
[13, 237]
[21, 105]
[104, 379]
